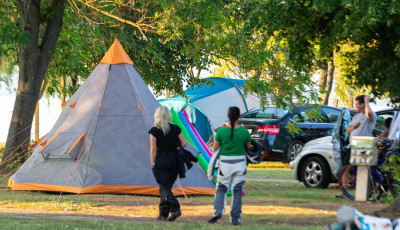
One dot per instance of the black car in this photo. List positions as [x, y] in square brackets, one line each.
[268, 128]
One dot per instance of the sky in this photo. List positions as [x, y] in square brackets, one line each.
[50, 110]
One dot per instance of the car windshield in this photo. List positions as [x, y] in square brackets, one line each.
[268, 113]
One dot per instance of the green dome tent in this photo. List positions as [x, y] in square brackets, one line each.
[207, 105]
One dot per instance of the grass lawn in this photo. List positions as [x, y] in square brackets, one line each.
[269, 170]
[266, 205]
[270, 174]
[50, 224]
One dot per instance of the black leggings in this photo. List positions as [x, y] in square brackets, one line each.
[165, 172]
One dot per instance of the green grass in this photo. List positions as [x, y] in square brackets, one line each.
[270, 174]
[52, 205]
[269, 170]
[286, 192]
[50, 224]
[51, 201]
[255, 190]
[259, 194]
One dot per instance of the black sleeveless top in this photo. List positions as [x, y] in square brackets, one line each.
[169, 142]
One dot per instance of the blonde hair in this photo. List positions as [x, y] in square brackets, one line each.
[162, 117]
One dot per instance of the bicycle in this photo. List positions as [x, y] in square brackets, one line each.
[381, 181]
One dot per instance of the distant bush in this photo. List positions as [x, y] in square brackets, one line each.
[2, 146]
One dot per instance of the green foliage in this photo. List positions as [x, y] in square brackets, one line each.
[313, 114]
[346, 63]
[312, 30]
[293, 128]
[282, 42]
[394, 163]
[10, 37]
[2, 145]
[160, 53]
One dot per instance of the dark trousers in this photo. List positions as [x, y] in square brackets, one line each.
[165, 172]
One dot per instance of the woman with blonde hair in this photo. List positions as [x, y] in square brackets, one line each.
[165, 138]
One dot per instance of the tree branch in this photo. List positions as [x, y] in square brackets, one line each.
[140, 26]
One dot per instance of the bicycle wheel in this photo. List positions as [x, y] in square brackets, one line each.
[349, 191]
[374, 186]
[347, 184]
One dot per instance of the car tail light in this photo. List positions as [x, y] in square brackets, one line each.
[269, 129]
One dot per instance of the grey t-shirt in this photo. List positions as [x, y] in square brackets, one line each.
[366, 126]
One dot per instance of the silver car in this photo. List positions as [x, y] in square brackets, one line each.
[315, 165]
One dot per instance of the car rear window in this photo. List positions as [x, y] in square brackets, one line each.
[268, 113]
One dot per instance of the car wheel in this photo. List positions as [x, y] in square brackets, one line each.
[315, 173]
[293, 149]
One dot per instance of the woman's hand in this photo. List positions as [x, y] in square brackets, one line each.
[249, 145]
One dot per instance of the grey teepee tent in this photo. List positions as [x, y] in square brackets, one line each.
[100, 142]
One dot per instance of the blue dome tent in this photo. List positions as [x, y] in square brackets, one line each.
[207, 105]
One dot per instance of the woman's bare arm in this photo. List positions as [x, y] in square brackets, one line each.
[153, 149]
[182, 140]
[216, 145]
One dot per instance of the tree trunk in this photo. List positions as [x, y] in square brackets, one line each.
[191, 73]
[37, 121]
[326, 81]
[198, 74]
[329, 81]
[322, 84]
[168, 94]
[37, 112]
[34, 60]
[336, 103]
[74, 82]
[63, 90]
[351, 101]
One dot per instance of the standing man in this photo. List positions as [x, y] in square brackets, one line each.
[362, 124]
